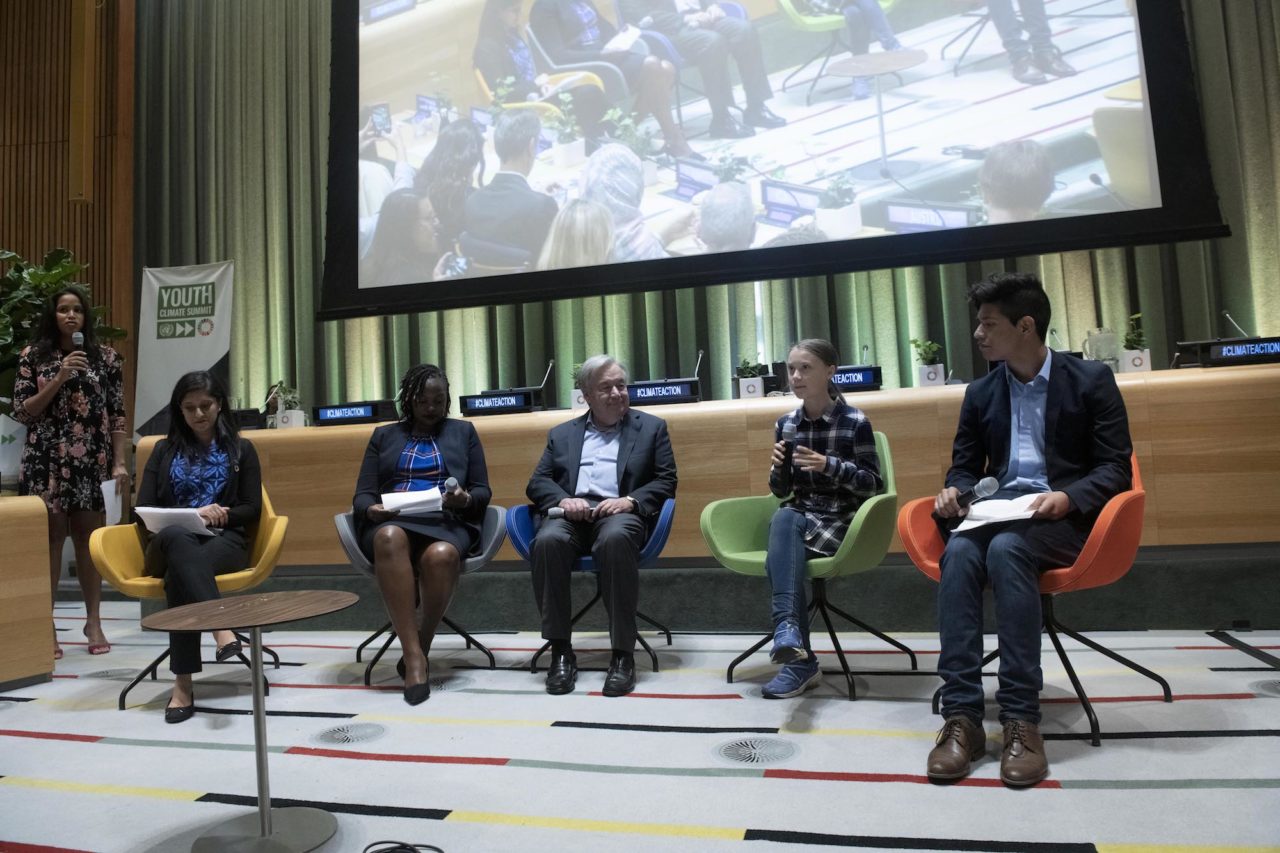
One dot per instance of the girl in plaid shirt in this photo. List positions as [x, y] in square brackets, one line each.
[834, 469]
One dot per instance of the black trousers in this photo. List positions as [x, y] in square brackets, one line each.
[614, 543]
[189, 563]
[710, 49]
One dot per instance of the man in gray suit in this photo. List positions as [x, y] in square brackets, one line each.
[607, 473]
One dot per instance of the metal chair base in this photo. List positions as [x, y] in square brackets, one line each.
[653, 657]
[391, 636]
[1054, 627]
[821, 605]
[834, 46]
[152, 668]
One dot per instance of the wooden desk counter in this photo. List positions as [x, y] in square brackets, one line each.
[1210, 465]
[26, 614]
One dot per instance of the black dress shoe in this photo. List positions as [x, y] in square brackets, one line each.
[728, 128]
[621, 678]
[229, 651]
[1050, 61]
[761, 116]
[179, 714]
[563, 674]
[1024, 71]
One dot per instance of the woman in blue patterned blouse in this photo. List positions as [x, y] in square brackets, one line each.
[205, 465]
[420, 556]
[834, 469]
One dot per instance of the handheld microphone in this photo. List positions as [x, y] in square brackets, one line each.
[1096, 180]
[1233, 323]
[77, 341]
[786, 472]
[451, 484]
[984, 488]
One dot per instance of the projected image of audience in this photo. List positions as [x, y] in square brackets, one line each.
[695, 127]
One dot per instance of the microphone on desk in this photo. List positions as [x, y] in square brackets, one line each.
[1096, 180]
[1053, 333]
[1233, 323]
[77, 341]
[984, 488]
[866, 349]
[786, 472]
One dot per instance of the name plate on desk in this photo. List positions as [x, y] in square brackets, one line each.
[497, 403]
[370, 412]
[865, 377]
[1220, 353]
[656, 392]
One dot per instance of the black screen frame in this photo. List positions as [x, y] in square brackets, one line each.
[1189, 208]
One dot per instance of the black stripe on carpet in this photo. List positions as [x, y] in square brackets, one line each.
[1225, 733]
[334, 808]
[1237, 643]
[628, 727]
[1242, 669]
[248, 712]
[17, 698]
[901, 843]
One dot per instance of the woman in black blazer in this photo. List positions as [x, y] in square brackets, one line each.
[205, 465]
[422, 450]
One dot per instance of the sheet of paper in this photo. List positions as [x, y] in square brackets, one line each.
[157, 518]
[996, 512]
[622, 41]
[413, 503]
[112, 501]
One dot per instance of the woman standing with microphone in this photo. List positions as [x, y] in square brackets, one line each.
[825, 460]
[69, 394]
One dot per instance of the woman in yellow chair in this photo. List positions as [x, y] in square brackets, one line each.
[420, 555]
[205, 465]
[833, 469]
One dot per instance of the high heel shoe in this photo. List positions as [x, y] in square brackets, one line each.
[101, 648]
[416, 694]
[229, 651]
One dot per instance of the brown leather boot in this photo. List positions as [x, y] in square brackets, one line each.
[1023, 761]
[960, 741]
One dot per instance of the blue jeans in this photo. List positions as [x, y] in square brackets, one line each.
[788, 569]
[1034, 21]
[1010, 557]
[864, 19]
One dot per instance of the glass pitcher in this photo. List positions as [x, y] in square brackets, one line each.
[1103, 345]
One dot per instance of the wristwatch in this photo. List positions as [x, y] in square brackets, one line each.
[635, 504]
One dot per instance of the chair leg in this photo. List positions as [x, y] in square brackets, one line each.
[652, 657]
[728, 676]
[375, 635]
[1096, 739]
[879, 634]
[368, 670]
[937, 694]
[471, 641]
[976, 28]
[267, 650]
[150, 670]
[661, 629]
[1051, 620]
[832, 47]
[820, 605]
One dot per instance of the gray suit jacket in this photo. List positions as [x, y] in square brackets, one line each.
[646, 464]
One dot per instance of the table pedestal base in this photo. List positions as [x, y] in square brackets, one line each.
[293, 830]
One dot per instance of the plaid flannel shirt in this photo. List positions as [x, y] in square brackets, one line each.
[829, 498]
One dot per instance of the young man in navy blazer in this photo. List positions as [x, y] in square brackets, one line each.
[1039, 422]
[608, 473]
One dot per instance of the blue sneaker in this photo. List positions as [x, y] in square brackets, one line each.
[861, 88]
[794, 679]
[788, 645]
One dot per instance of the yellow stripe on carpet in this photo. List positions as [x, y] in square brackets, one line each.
[110, 790]
[580, 825]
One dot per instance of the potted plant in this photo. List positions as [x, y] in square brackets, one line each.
[839, 215]
[25, 288]
[731, 167]
[930, 370]
[284, 407]
[1137, 355]
[749, 378]
[578, 401]
[571, 148]
[639, 139]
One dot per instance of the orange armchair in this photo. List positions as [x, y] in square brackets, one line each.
[1107, 555]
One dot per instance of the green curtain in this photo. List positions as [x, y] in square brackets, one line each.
[232, 151]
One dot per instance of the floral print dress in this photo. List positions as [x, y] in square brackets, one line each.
[68, 453]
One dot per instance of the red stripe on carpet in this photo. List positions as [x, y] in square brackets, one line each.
[819, 776]
[49, 736]
[675, 695]
[1154, 697]
[15, 847]
[305, 646]
[1217, 648]
[391, 756]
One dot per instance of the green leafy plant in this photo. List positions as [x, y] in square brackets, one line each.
[1135, 338]
[748, 369]
[626, 131]
[283, 397]
[565, 125]
[927, 351]
[502, 93]
[731, 167]
[25, 288]
[839, 192]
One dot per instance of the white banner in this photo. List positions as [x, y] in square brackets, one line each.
[184, 325]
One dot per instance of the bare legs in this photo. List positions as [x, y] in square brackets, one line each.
[654, 98]
[438, 570]
[79, 524]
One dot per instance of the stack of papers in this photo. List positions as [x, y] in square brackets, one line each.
[157, 518]
[987, 512]
[413, 503]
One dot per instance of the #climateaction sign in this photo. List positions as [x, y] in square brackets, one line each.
[185, 310]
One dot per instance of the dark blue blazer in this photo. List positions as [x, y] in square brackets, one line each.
[646, 464]
[463, 458]
[1086, 434]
